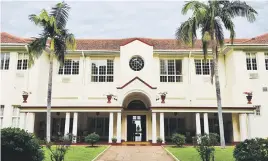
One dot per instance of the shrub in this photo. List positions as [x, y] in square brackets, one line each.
[92, 138]
[178, 139]
[114, 139]
[159, 140]
[252, 149]
[57, 153]
[18, 145]
[205, 146]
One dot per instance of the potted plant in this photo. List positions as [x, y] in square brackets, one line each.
[249, 97]
[159, 140]
[163, 96]
[25, 96]
[114, 140]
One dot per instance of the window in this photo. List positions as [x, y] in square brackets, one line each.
[102, 71]
[70, 67]
[5, 61]
[202, 67]
[22, 61]
[2, 115]
[15, 117]
[266, 60]
[171, 70]
[251, 61]
[258, 110]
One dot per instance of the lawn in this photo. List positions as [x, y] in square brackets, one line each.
[190, 153]
[79, 153]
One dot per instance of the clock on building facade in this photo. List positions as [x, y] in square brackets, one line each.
[136, 63]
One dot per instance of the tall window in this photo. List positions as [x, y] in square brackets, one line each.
[5, 61]
[203, 67]
[70, 67]
[2, 107]
[170, 70]
[266, 60]
[22, 61]
[251, 61]
[15, 117]
[102, 71]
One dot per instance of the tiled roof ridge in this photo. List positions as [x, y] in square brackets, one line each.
[257, 37]
[13, 37]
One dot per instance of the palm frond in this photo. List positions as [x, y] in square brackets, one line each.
[219, 32]
[238, 8]
[186, 33]
[60, 49]
[61, 14]
[193, 5]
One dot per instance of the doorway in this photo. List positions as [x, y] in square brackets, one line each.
[136, 128]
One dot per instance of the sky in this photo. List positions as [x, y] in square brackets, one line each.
[120, 19]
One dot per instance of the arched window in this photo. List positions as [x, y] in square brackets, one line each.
[136, 105]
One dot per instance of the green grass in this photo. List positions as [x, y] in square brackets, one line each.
[191, 154]
[79, 153]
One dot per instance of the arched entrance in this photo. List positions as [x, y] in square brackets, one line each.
[136, 106]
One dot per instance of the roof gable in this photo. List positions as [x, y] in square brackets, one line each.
[134, 80]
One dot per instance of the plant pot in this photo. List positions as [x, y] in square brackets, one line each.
[163, 97]
[109, 97]
[249, 98]
[25, 97]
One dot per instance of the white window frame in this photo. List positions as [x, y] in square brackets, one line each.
[178, 78]
[15, 116]
[5, 61]
[62, 71]
[23, 57]
[2, 108]
[202, 65]
[249, 61]
[258, 110]
[103, 62]
[266, 60]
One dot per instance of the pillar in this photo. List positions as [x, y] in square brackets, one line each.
[236, 129]
[22, 120]
[243, 126]
[206, 127]
[67, 123]
[198, 125]
[153, 127]
[30, 119]
[111, 126]
[162, 127]
[118, 129]
[75, 120]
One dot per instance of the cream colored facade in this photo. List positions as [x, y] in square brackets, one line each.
[190, 103]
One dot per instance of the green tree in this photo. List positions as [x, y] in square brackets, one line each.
[54, 40]
[210, 17]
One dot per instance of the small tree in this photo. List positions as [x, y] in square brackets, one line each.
[19, 145]
[92, 138]
[205, 146]
[59, 150]
[252, 149]
[178, 139]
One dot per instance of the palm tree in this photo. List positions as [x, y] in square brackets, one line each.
[211, 17]
[54, 40]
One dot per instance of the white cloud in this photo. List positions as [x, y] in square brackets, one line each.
[119, 19]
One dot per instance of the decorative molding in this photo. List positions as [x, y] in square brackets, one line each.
[206, 98]
[176, 98]
[96, 98]
[65, 98]
[135, 79]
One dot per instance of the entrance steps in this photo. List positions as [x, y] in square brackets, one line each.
[133, 143]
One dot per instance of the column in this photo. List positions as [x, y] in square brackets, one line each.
[198, 125]
[243, 126]
[118, 129]
[67, 123]
[75, 120]
[153, 127]
[162, 127]
[236, 130]
[248, 126]
[111, 126]
[22, 120]
[206, 127]
[30, 119]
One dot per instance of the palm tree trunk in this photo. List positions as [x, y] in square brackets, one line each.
[49, 91]
[218, 90]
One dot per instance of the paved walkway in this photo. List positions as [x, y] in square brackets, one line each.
[135, 153]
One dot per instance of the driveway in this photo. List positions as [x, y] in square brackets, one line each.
[135, 153]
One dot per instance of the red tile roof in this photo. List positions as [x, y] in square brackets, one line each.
[114, 44]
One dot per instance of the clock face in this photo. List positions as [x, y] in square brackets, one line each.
[136, 63]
